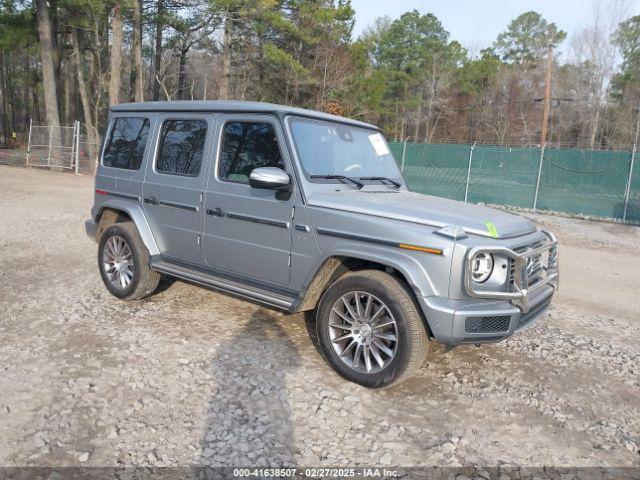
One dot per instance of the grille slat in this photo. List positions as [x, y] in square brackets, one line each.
[535, 267]
[487, 324]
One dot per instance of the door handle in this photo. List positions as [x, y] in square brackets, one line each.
[216, 212]
[151, 200]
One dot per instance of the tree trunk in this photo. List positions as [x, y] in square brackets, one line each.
[67, 96]
[3, 86]
[26, 89]
[48, 68]
[158, 53]
[84, 96]
[116, 56]
[182, 74]
[12, 120]
[136, 53]
[57, 46]
[68, 80]
[226, 58]
[594, 128]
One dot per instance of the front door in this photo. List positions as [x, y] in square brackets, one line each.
[174, 181]
[247, 231]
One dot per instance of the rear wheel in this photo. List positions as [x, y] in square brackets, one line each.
[370, 329]
[123, 260]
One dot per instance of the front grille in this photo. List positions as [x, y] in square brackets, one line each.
[535, 268]
[487, 324]
[512, 274]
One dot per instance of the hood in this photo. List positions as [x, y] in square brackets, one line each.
[425, 210]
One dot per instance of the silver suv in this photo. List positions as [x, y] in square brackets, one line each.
[307, 212]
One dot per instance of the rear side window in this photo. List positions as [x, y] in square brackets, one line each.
[245, 146]
[181, 147]
[126, 144]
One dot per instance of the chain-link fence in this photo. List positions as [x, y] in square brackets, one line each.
[53, 146]
[59, 147]
[86, 162]
[587, 182]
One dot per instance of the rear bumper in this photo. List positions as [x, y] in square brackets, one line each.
[90, 227]
[454, 322]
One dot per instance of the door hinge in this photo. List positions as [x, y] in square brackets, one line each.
[289, 261]
[293, 212]
[198, 240]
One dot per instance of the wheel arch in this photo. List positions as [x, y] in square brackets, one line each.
[339, 263]
[116, 211]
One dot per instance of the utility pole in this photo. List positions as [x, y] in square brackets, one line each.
[547, 96]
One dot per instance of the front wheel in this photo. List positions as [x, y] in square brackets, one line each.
[370, 329]
[123, 260]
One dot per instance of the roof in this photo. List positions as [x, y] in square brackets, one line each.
[232, 106]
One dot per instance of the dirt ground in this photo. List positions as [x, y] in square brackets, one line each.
[193, 377]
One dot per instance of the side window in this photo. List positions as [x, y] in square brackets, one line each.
[125, 147]
[245, 146]
[181, 147]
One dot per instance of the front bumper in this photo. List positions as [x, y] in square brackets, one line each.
[490, 315]
[454, 322]
[90, 227]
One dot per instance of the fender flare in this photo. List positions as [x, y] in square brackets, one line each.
[137, 216]
[330, 266]
[413, 271]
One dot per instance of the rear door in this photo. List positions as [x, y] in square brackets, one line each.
[247, 231]
[174, 182]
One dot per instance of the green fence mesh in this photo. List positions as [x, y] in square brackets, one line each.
[584, 181]
[588, 182]
[439, 170]
[633, 208]
[503, 176]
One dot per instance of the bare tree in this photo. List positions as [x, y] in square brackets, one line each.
[592, 50]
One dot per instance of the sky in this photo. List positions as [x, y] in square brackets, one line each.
[476, 23]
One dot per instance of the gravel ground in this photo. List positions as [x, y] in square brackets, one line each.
[193, 377]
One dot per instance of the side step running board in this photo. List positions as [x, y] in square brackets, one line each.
[265, 297]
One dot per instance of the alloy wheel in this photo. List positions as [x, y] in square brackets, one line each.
[117, 261]
[363, 332]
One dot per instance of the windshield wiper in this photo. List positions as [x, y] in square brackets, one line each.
[340, 177]
[383, 179]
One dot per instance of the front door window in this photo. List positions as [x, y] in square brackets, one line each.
[245, 146]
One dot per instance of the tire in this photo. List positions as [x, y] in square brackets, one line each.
[400, 318]
[142, 280]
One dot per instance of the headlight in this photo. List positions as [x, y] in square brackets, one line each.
[481, 267]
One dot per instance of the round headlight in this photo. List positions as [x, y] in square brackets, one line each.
[481, 267]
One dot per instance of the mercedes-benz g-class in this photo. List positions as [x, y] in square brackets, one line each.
[308, 212]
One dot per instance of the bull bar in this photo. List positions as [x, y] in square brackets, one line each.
[521, 289]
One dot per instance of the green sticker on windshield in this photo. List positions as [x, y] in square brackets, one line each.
[491, 228]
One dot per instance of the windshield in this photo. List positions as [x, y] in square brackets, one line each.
[332, 149]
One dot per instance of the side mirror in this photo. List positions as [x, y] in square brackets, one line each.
[271, 178]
